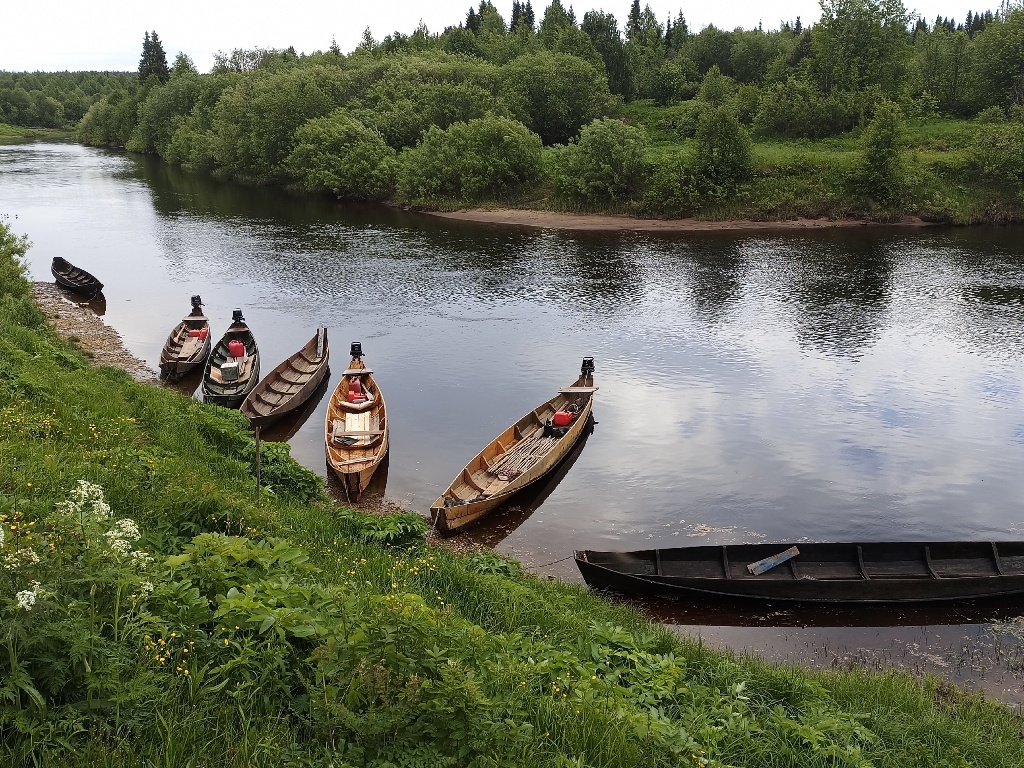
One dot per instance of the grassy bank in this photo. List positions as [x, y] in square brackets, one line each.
[151, 614]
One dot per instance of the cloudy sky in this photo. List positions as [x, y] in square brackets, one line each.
[63, 35]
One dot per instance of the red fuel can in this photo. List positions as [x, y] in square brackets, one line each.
[562, 418]
[236, 348]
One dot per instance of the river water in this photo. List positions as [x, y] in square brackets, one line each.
[853, 384]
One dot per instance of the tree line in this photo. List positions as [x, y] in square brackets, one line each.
[510, 103]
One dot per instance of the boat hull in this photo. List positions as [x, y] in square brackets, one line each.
[479, 489]
[355, 465]
[279, 394]
[878, 572]
[74, 279]
[231, 394]
[173, 364]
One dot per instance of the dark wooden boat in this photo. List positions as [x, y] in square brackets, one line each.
[290, 384]
[518, 457]
[188, 345]
[356, 430]
[228, 379]
[882, 572]
[74, 278]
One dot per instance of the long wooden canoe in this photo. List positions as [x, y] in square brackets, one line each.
[290, 384]
[231, 392]
[356, 430]
[74, 278]
[518, 457]
[188, 345]
[876, 572]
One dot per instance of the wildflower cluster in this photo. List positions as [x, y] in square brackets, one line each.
[86, 501]
[27, 598]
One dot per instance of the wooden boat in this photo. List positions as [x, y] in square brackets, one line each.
[883, 572]
[290, 384]
[356, 430]
[188, 345]
[74, 278]
[518, 457]
[229, 378]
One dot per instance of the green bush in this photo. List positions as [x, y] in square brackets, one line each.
[491, 157]
[677, 188]
[553, 94]
[997, 153]
[723, 148]
[607, 166]
[796, 108]
[339, 154]
[881, 172]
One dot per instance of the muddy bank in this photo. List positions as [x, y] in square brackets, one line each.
[605, 223]
[78, 323]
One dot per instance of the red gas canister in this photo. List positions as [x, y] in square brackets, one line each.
[355, 391]
[562, 418]
[236, 348]
[195, 333]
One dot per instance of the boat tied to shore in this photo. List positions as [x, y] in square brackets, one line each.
[74, 279]
[233, 367]
[870, 572]
[356, 428]
[290, 384]
[187, 345]
[518, 457]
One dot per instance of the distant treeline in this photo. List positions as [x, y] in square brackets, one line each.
[57, 99]
[463, 115]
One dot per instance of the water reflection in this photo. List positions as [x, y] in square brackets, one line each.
[96, 304]
[284, 429]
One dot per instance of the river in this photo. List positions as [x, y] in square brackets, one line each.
[847, 384]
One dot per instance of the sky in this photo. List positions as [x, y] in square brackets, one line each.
[64, 35]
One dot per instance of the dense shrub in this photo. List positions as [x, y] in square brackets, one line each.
[553, 94]
[677, 188]
[491, 157]
[723, 148]
[607, 166]
[881, 173]
[797, 109]
[339, 154]
[997, 153]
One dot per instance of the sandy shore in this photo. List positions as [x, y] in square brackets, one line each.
[80, 324]
[603, 223]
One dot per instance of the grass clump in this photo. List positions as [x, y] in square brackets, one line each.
[152, 615]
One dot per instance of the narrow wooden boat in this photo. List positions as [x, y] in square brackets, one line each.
[356, 430]
[74, 278]
[518, 457]
[290, 384]
[228, 377]
[188, 345]
[879, 572]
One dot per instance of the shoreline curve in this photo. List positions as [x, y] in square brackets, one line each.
[597, 222]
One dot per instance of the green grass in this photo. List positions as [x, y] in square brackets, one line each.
[303, 634]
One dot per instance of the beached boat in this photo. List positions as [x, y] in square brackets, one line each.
[290, 384]
[878, 572]
[233, 368]
[518, 457]
[356, 431]
[74, 278]
[188, 345]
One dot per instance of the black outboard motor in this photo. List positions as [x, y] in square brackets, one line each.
[236, 317]
[197, 305]
[357, 350]
[587, 369]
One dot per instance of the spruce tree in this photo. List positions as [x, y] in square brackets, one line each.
[528, 16]
[633, 22]
[154, 59]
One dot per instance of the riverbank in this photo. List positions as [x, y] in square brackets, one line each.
[597, 222]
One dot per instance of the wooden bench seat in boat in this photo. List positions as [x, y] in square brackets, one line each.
[243, 372]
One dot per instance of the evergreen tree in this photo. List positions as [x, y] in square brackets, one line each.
[633, 22]
[798, 27]
[528, 16]
[154, 60]
[517, 15]
[472, 21]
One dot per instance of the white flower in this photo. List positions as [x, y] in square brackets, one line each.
[146, 587]
[141, 559]
[127, 529]
[3, 535]
[26, 600]
[20, 559]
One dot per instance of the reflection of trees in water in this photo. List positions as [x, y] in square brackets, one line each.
[715, 274]
[841, 291]
[594, 272]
